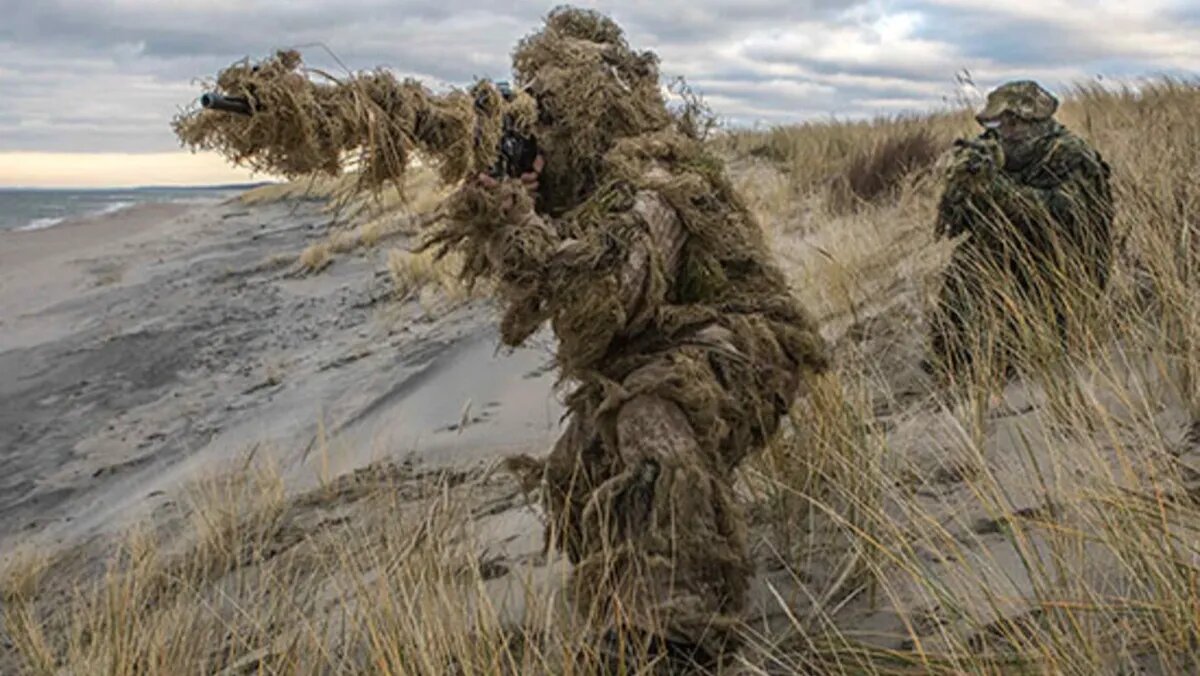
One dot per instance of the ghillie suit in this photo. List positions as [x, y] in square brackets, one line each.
[676, 329]
[1039, 212]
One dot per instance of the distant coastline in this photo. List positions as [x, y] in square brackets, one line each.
[29, 209]
[141, 188]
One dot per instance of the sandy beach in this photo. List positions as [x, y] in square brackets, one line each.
[147, 350]
[142, 349]
[879, 326]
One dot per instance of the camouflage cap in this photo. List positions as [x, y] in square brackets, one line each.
[1024, 98]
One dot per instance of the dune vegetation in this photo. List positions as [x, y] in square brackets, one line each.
[904, 522]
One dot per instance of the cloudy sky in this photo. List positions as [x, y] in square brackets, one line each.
[100, 79]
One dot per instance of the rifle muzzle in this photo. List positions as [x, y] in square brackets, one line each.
[227, 104]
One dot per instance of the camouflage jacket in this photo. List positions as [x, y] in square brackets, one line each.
[1051, 197]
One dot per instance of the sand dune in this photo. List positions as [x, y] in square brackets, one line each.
[142, 349]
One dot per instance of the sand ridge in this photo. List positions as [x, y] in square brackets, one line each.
[143, 348]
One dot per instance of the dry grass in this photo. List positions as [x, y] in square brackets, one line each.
[316, 257]
[373, 219]
[1047, 525]
[880, 172]
[360, 220]
[817, 156]
[414, 274]
[379, 571]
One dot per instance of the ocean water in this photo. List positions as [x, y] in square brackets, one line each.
[35, 209]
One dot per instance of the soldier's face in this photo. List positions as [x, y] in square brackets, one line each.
[1012, 128]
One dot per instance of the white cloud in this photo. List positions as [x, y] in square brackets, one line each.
[83, 75]
[884, 48]
[1111, 29]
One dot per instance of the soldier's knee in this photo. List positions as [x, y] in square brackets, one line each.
[650, 427]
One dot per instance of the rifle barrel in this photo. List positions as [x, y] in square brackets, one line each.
[227, 104]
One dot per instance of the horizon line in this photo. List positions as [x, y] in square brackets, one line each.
[158, 186]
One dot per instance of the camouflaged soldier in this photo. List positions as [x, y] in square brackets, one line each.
[678, 333]
[685, 344]
[676, 327]
[1037, 204]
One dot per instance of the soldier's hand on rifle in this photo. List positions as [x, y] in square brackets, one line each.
[529, 179]
[976, 163]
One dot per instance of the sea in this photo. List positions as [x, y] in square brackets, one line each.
[26, 209]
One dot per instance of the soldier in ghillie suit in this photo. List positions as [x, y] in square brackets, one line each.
[1037, 204]
[676, 329]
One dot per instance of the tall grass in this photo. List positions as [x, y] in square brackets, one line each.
[817, 156]
[359, 220]
[1044, 523]
[1048, 524]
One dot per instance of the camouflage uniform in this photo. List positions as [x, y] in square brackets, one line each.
[681, 336]
[677, 331]
[1039, 212]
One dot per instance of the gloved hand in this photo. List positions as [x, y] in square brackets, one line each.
[975, 164]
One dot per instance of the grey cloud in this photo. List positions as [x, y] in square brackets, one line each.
[84, 75]
[925, 71]
[1016, 42]
[172, 29]
[1091, 38]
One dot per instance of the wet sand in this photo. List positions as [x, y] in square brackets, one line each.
[142, 349]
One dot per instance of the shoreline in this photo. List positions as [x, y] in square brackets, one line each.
[31, 210]
[42, 268]
[126, 220]
[142, 349]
